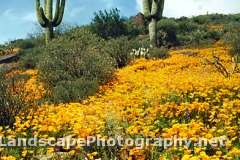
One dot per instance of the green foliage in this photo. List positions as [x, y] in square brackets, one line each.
[28, 43]
[134, 30]
[202, 19]
[214, 35]
[235, 47]
[46, 18]
[158, 53]
[119, 49]
[77, 58]
[197, 37]
[168, 29]
[232, 37]
[78, 89]
[108, 24]
[29, 58]
[187, 27]
[10, 105]
[23, 44]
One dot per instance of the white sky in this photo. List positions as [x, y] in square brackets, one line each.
[178, 8]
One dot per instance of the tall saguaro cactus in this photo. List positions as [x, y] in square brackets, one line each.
[45, 16]
[153, 10]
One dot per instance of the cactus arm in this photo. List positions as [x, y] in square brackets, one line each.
[58, 19]
[49, 9]
[161, 6]
[154, 10]
[42, 19]
[146, 7]
[57, 11]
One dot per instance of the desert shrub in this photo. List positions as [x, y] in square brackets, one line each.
[29, 58]
[231, 28]
[168, 29]
[119, 49]
[184, 39]
[72, 58]
[233, 38]
[28, 43]
[134, 30]
[187, 27]
[108, 24]
[22, 43]
[214, 35]
[158, 53]
[10, 105]
[65, 91]
[202, 19]
[197, 37]
[235, 48]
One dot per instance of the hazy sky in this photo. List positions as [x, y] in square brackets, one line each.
[17, 17]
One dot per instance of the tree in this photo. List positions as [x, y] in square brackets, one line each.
[108, 24]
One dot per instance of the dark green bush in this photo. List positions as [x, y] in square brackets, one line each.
[187, 27]
[214, 35]
[108, 24]
[120, 49]
[169, 28]
[78, 54]
[202, 19]
[10, 105]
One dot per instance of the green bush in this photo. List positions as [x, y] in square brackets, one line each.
[120, 49]
[187, 27]
[232, 38]
[77, 89]
[134, 30]
[202, 19]
[10, 105]
[235, 47]
[184, 39]
[214, 35]
[108, 24]
[29, 58]
[197, 37]
[169, 28]
[27, 43]
[76, 56]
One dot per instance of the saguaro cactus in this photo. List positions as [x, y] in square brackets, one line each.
[153, 10]
[45, 16]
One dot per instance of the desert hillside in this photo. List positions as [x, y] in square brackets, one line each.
[158, 80]
[184, 95]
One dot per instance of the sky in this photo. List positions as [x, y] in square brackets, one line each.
[18, 19]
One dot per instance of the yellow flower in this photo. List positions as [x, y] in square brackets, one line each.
[24, 153]
[8, 158]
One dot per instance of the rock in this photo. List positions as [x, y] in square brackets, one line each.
[8, 58]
